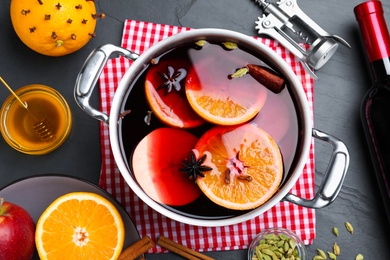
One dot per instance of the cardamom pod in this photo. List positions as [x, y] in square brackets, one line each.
[238, 74]
[321, 253]
[201, 43]
[336, 249]
[318, 257]
[349, 227]
[336, 231]
[332, 256]
[359, 257]
[230, 45]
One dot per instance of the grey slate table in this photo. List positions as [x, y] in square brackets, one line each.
[338, 93]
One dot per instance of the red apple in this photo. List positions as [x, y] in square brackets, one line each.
[17, 232]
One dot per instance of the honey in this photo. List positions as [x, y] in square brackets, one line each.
[44, 104]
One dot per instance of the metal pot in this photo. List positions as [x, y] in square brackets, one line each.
[87, 79]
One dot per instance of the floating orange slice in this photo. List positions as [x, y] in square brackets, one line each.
[220, 99]
[164, 89]
[247, 166]
[80, 225]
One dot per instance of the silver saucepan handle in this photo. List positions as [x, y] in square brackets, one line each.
[89, 75]
[333, 178]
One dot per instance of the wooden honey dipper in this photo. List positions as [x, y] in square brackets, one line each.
[42, 127]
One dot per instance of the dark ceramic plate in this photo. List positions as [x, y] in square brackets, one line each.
[36, 193]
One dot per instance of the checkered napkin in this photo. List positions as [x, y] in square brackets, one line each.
[137, 37]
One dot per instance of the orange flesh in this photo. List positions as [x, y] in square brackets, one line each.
[246, 151]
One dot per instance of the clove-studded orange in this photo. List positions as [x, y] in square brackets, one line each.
[54, 27]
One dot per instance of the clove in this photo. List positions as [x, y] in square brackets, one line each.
[227, 176]
[245, 177]
[101, 16]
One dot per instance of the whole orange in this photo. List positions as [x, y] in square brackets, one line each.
[54, 27]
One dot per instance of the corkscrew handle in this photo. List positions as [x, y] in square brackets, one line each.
[333, 177]
[278, 22]
[89, 75]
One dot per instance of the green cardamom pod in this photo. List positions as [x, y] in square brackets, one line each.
[332, 256]
[336, 231]
[201, 43]
[336, 249]
[359, 257]
[349, 227]
[321, 253]
[230, 45]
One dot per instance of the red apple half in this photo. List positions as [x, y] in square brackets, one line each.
[156, 162]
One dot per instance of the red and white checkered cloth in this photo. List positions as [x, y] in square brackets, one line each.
[137, 37]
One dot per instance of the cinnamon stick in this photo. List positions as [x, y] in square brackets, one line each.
[181, 250]
[269, 78]
[136, 249]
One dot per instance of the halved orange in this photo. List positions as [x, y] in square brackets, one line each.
[220, 99]
[156, 164]
[164, 89]
[80, 225]
[247, 166]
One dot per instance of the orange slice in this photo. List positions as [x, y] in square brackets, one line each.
[156, 163]
[247, 166]
[220, 99]
[164, 89]
[80, 225]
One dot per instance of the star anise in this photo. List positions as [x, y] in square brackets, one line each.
[172, 79]
[194, 168]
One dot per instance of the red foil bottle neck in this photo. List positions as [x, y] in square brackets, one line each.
[374, 30]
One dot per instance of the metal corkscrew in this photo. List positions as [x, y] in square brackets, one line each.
[289, 25]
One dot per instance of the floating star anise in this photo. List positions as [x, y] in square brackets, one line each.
[172, 79]
[194, 168]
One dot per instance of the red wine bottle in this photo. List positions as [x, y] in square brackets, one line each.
[375, 108]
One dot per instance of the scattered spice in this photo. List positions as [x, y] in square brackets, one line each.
[194, 168]
[40, 2]
[359, 257]
[349, 227]
[321, 253]
[332, 256]
[335, 231]
[336, 249]
[269, 78]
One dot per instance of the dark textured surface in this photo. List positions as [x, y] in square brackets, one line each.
[338, 93]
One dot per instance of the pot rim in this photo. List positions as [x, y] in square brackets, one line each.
[124, 89]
